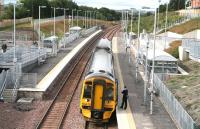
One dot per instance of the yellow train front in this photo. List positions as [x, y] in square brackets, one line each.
[99, 91]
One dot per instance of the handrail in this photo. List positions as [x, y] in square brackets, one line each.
[4, 84]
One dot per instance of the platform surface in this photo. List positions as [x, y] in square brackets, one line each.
[136, 115]
[53, 70]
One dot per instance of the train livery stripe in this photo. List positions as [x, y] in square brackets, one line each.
[125, 118]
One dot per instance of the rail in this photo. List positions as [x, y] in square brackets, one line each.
[68, 84]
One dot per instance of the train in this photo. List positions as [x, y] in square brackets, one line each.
[99, 90]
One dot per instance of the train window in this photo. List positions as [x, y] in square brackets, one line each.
[109, 94]
[87, 91]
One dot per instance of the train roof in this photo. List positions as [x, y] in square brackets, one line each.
[102, 64]
[104, 44]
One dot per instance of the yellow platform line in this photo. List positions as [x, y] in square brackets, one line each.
[125, 118]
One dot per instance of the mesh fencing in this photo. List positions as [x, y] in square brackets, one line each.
[179, 114]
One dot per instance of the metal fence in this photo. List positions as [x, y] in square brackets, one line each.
[179, 114]
[192, 46]
[21, 80]
[3, 76]
[24, 55]
[65, 40]
[88, 31]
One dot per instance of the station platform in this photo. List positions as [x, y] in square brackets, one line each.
[137, 115]
[47, 79]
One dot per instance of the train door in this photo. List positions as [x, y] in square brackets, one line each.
[98, 97]
[98, 91]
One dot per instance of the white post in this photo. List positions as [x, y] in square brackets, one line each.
[131, 20]
[54, 21]
[72, 18]
[14, 60]
[146, 79]
[39, 30]
[85, 20]
[77, 18]
[166, 25]
[90, 18]
[64, 21]
[137, 57]
[153, 64]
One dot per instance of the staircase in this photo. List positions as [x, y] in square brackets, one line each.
[9, 95]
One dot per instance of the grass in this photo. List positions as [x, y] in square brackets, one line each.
[173, 49]
[47, 28]
[147, 22]
[187, 26]
[187, 89]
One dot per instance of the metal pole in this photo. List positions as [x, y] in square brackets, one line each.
[146, 79]
[131, 20]
[153, 64]
[64, 21]
[85, 19]
[137, 58]
[158, 13]
[90, 18]
[77, 18]
[72, 18]
[39, 30]
[54, 21]
[166, 25]
[14, 60]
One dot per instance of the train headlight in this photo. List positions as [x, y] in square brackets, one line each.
[87, 100]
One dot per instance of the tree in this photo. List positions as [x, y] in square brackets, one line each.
[176, 4]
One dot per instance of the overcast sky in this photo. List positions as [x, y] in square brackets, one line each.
[115, 4]
[120, 4]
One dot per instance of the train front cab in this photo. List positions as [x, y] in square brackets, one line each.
[98, 99]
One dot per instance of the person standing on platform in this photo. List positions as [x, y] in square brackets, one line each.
[124, 98]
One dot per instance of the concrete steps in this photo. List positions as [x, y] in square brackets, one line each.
[9, 95]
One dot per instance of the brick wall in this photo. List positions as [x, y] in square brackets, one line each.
[195, 3]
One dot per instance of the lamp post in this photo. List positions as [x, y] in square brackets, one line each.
[77, 17]
[39, 42]
[158, 13]
[85, 25]
[146, 78]
[73, 16]
[90, 18]
[14, 31]
[137, 57]
[153, 64]
[166, 24]
[131, 20]
[54, 21]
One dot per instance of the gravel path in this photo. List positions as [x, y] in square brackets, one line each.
[13, 118]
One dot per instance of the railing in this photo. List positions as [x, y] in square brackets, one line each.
[3, 85]
[175, 109]
[65, 40]
[23, 55]
[177, 22]
[88, 31]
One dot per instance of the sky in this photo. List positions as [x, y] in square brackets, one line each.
[115, 4]
[120, 4]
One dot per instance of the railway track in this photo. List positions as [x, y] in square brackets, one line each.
[67, 86]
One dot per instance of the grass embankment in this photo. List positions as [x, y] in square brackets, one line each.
[187, 89]
[173, 49]
[187, 26]
[147, 22]
[47, 28]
